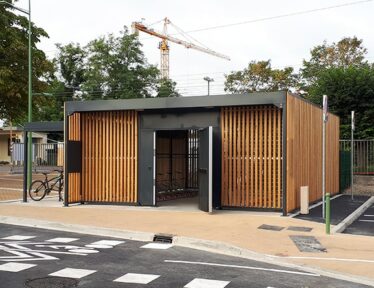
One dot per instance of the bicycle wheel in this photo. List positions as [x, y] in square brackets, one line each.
[37, 190]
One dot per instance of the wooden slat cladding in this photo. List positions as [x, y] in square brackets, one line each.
[109, 156]
[304, 151]
[251, 157]
[74, 178]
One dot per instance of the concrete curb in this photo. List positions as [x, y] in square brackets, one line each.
[188, 242]
[353, 217]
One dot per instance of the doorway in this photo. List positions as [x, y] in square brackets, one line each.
[177, 153]
[182, 169]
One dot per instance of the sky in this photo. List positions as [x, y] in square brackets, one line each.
[286, 41]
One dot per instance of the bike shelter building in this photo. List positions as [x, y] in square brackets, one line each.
[250, 151]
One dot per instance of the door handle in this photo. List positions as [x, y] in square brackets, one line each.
[203, 170]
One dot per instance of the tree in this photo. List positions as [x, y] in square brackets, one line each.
[117, 68]
[14, 65]
[70, 63]
[345, 53]
[166, 88]
[259, 76]
[348, 88]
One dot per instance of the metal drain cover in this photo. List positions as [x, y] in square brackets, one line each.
[52, 282]
[270, 227]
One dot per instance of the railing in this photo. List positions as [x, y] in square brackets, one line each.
[43, 154]
[363, 158]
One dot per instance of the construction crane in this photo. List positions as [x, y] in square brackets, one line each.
[164, 45]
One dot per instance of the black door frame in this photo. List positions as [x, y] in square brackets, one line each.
[149, 123]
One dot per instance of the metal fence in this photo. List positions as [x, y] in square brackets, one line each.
[363, 158]
[43, 154]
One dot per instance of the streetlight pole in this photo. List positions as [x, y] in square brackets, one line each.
[29, 118]
[207, 79]
[29, 142]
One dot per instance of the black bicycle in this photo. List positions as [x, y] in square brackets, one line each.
[39, 189]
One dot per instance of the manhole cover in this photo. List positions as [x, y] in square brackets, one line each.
[270, 227]
[307, 243]
[299, 228]
[52, 282]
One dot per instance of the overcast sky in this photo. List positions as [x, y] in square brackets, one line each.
[285, 41]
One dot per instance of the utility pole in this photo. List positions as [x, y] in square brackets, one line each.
[208, 79]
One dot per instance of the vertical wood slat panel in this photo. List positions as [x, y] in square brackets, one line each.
[74, 178]
[304, 151]
[109, 158]
[251, 162]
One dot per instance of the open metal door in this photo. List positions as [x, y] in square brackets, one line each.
[205, 168]
[146, 179]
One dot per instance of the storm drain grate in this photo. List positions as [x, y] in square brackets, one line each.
[307, 244]
[299, 228]
[163, 238]
[52, 282]
[270, 227]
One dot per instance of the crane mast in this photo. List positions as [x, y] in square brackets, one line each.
[164, 45]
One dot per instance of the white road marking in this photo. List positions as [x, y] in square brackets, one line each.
[243, 267]
[104, 244]
[21, 251]
[137, 278]
[62, 240]
[161, 246]
[98, 246]
[85, 251]
[206, 283]
[18, 237]
[363, 220]
[368, 215]
[322, 258]
[15, 267]
[72, 273]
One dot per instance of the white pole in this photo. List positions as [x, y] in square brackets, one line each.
[352, 148]
[324, 120]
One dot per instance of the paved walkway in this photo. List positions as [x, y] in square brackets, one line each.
[348, 254]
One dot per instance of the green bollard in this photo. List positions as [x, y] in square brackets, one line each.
[327, 213]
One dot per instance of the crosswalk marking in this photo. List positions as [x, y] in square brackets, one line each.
[104, 244]
[62, 240]
[72, 273]
[206, 283]
[15, 267]
[363, 220]
[18, 237]
[137, 278]
[161, 246]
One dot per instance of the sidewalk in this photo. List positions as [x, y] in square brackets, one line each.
[347, 254]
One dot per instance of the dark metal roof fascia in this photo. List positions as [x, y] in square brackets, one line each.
[258, 98]
[51, 126]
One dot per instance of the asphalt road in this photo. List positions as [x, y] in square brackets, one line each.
[364, 225]
[37, 256]
[341, 207]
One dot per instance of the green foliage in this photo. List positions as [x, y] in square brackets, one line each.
[14, 64]
[350, 88]
[345, 53]
[166, 88]
[109, 67]
[259, 76]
